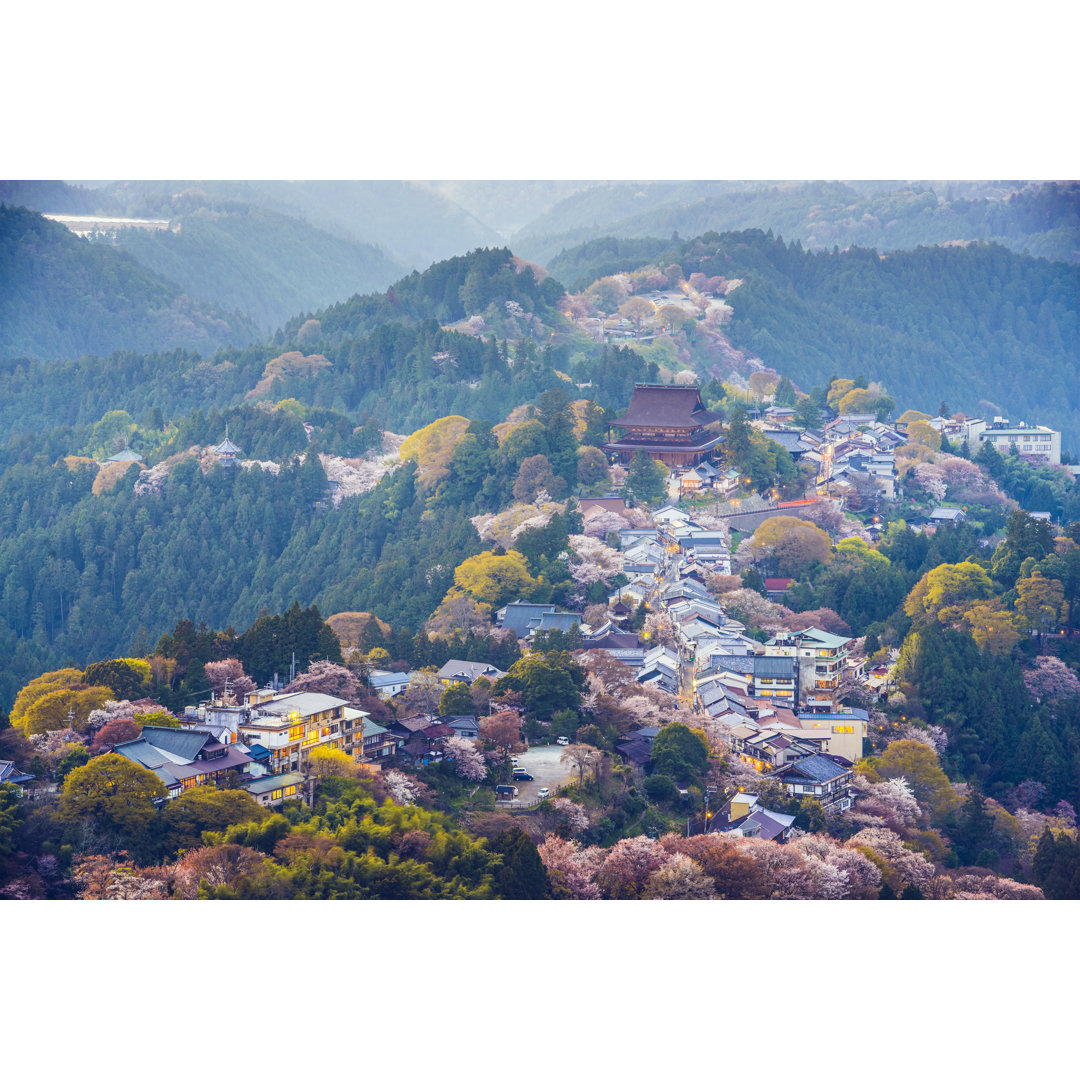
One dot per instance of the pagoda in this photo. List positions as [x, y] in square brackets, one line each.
[669, 423]
[228, 452]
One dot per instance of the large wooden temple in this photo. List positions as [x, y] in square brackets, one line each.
[670, 423]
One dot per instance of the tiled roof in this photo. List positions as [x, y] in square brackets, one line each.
[817, 768]
[666, 406]
[267, 784]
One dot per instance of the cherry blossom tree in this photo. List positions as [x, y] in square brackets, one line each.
[910, 867]
[1050, 679]
[223, 864]
[326, 677]
[602, 523]
[572, 817]
[627, 867]
[468, 761]
[229, 674]
[404, 790]
[680, 878]
[593, 560]
[571, 868]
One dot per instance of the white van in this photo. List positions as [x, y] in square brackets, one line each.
[562, 740]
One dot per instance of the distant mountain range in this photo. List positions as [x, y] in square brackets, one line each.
[63, 297]
[1042, 219]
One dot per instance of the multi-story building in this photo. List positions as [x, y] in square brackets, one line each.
[287, 726]
[820, 777]
[821, 658]
[290, 726]
[1036, 441]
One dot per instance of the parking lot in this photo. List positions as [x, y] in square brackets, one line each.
[547, 770]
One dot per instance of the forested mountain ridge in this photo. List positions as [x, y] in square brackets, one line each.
[62, 296]
[978, 325]
[1042, 219]
[266, 264]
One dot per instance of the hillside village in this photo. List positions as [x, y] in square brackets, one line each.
[681, 675]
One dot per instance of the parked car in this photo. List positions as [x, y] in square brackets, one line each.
[521, 774]
[562, 740]
[544, 792]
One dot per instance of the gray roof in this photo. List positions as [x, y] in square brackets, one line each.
[125, 455]
[267, 784]
[764, 824]
[470, 670]
[184, 744]
[227, 447]
[558, 620]
[305, 702]
[817, 768]
[774, 667]
[742, 664]
[517, 616]
[388, 678]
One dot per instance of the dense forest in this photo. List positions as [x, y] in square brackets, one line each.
[62, 296]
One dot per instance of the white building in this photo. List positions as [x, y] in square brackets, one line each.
[1036, 441]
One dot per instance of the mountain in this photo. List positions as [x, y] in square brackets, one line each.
[507, 205]
[62, 296]
[265, 264]
[1042, 219]
[55, 197]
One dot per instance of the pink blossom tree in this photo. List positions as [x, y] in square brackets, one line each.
[326, 677]
[571, 868]
[229, 674]
[627, 867]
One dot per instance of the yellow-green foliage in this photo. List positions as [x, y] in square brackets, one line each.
[909, 416]
[837, 390]
[946, 591]
[794, 544]
[50, 711]
[38, 688]
[855, 550]
[921, 432]
[857, 401]
[495, 579]
[432, 447]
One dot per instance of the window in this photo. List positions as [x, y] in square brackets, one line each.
[296, 732]
[844, 729]
[290, 790]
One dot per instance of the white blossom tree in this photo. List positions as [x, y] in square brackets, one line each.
[468, 761]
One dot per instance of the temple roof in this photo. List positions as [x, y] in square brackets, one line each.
[666, 406]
